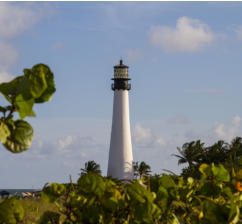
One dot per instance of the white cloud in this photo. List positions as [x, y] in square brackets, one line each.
[229, 132]
[67, 141]
[15, 18]
[8, 55]
[5, 77]
[70, 146]
[190, 35]
[143, 137]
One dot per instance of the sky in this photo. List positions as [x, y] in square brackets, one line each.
[184, 60]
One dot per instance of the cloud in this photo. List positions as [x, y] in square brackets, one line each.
[190, 35]
[133, 54]
[15, 18]
[143, 137]
[8, 55]
[5, 77]
[229, 132]
[207, 91]
[68, 146]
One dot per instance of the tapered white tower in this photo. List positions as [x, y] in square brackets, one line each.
[120, 163]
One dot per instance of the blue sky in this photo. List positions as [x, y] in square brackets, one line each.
[185, 65]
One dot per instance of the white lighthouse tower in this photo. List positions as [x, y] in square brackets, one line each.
[120, 163]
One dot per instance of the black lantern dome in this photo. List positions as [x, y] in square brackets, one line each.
[121, 77]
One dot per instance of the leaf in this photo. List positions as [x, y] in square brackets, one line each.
[53, 192]
[37, 82]
[234, 214]
[213, 213]
[162, 198]
[167, 181]
[24, 107]
[205, 169]
[209, 189]
[4, 132]
[11, 88]
[142, 204]
[92, 183]
[20, 138]
[42, 70]
[220, 173]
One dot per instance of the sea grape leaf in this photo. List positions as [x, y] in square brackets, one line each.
[20, 138]
[24, 107]
[220, 173]
[53, 192]
[11, 88]
[91, 184]
[42, 70]
[205, 169]
[142, 203]
[37, 82]
[234, 213]
[35, 86]
[213, 213]
[167, 182]
[4, 132]
[162, 198]
[209, 189]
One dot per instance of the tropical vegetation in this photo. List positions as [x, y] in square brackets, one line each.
[196, 153]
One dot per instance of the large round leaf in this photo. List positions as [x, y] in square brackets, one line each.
[46, 74]
[4, 132]
[20, 138]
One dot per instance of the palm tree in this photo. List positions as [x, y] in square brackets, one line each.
[136, 168]
[235, 154]
[217, 153]
[141, 169]
[91, 166]
[144, 169]
[190, 153]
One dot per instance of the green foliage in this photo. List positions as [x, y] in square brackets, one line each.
[11, 211]
[36, 85]
[195, 154]
[53, 192]
[214, 198]
[50, 217]
[20, 138]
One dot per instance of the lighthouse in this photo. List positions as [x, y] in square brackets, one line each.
[120, 162]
